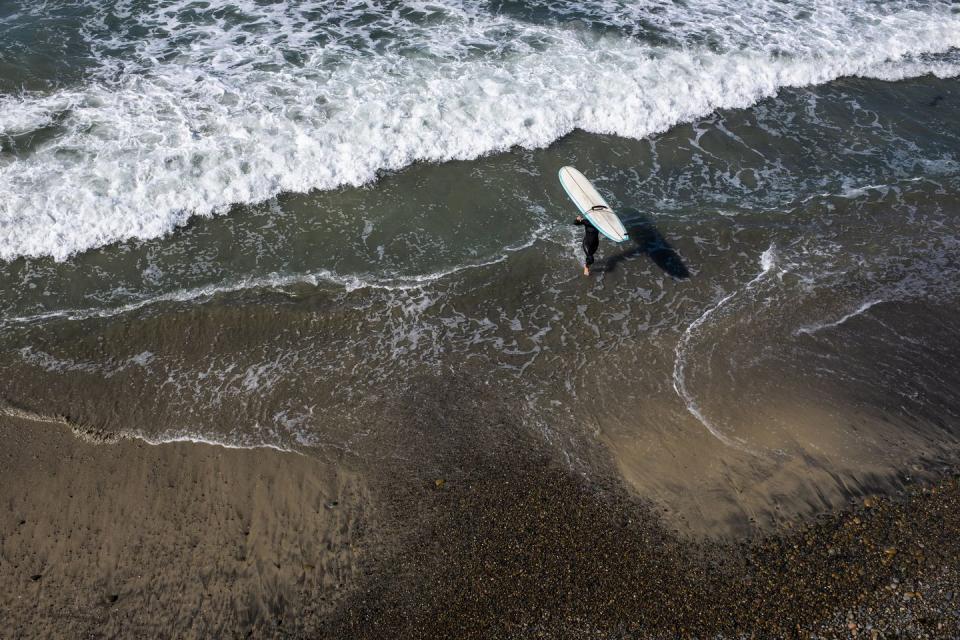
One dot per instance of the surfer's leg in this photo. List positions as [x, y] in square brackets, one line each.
[589, 248]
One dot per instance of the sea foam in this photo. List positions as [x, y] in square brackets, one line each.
[236, 102]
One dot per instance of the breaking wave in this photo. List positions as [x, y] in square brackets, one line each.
[190, 107]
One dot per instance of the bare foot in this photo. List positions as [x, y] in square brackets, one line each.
[586, 271]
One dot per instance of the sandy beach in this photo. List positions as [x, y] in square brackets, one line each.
[485, 534]
[179, 540]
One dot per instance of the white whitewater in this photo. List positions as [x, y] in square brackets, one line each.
[206, 113]
[814, 328]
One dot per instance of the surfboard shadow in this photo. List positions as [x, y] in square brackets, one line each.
[647, 240]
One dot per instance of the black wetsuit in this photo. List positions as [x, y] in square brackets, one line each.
[591, 239]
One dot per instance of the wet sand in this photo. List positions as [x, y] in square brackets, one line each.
[485, 532]
[309, 371]
[179, 540]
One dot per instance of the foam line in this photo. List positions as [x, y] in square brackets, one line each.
[95, 436]
[767, 263]
[814, 328]
[198, 439]
[273, 281]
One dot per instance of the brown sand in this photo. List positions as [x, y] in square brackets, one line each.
[472, 528]
[179, 540]
[507, 541]
[204, 364]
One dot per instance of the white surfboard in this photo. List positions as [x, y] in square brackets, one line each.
[593, 207]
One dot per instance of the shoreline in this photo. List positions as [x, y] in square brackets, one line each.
[175, 540]
[499, 540]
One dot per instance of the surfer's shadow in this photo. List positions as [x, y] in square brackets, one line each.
[647, 240]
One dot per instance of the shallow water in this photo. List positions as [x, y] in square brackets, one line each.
[776, 337]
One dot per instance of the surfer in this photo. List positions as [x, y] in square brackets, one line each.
[591, 241]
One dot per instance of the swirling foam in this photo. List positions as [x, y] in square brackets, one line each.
[195, 107]
[768, 262]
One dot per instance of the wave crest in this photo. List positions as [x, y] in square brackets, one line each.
[239, 102]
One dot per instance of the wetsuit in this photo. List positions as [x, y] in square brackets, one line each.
[591, 239]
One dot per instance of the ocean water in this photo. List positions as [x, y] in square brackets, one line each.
[122, 120]
[245, 222]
